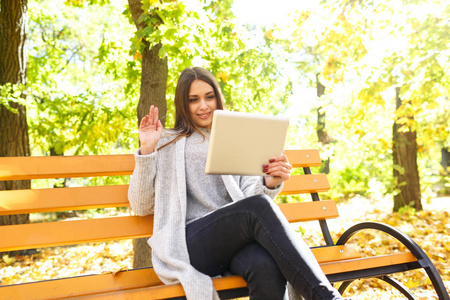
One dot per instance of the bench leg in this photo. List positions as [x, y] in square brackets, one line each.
[399, 286]
[393, 282]
[344, 285]
[412, 246]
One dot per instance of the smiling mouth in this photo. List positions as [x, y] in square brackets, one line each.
[204, 116]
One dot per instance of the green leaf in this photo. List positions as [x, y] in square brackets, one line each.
[170, 34]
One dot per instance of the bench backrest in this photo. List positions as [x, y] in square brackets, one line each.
[49, 234]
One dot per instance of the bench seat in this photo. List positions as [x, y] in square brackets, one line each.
[340, 261]
[143, 283]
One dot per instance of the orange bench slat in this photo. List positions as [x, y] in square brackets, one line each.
[335, 253]
[367, 263]
[135, 279]
[301, 184]
[168, 291]
[39, 235]
[308, 211]
[78, 198]
[62, 199]
[39, 167]
[50, 234]
[300, 158]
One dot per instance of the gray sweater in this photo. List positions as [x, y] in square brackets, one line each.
[159, 184]
[205, 192]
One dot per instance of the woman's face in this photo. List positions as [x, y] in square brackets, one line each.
[202, 103]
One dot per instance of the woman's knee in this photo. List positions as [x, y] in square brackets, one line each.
[258, 202]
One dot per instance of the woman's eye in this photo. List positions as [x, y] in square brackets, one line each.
[193, 99]
[211, 97]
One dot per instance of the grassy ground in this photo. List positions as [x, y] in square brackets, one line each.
[430, 229]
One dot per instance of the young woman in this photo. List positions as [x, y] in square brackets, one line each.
[208, 225]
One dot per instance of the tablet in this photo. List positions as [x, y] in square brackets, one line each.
[241, 143]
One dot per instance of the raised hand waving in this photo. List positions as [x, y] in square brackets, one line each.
[150, 131]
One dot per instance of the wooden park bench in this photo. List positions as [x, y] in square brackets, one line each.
[339, 261]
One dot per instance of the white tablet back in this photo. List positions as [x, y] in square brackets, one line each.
[241, 143]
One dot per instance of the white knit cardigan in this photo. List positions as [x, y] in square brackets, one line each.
[158, 183]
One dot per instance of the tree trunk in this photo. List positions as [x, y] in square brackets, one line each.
[153, 91]
[445, 163]
[13, 68]
[406, 172]
[153, 83]
[445, 159]
[322, 134]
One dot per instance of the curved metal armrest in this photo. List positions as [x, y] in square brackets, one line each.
[394, 232]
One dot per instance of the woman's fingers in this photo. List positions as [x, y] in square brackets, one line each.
[278, 166]
[159, 127]
[279, 158]
[280, 172]
[278, 161]
[283, 164]
[155, 116]
[151, 114]
[143, 122]
[151, 119]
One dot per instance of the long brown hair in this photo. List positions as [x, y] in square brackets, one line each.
[184, 124]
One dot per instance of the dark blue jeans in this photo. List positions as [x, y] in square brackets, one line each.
[252, 238]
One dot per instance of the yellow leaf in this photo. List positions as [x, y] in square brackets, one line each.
[410, 283]
[269, 35]
[224, 76]
[9, 260]
[118, 270]
[137, 55]
[385, 145]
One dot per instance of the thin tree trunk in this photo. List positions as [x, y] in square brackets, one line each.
[153, 91]
[322, 134]
[445, 158]
[406, 172]
[13, 67]
[445, 163]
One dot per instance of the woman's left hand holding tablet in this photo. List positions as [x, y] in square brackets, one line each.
[277, 170]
